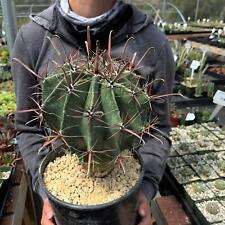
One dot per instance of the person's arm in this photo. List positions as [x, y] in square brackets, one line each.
[154, 152]
[30, 133]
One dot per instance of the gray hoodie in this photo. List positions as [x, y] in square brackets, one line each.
[34, 49]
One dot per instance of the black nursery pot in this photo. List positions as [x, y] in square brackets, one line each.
[187, 91]
[122, 211]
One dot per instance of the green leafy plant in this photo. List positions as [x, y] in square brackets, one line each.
[6, 159]
[7, 103]
[5, 73]
[4, 55]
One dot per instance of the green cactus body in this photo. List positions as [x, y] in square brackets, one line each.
[95, 115]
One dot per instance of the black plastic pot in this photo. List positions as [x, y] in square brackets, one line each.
[4, 187]
[187, 91]
[122, 211]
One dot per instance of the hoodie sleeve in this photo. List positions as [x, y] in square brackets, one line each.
[156, 149]
[30, 133]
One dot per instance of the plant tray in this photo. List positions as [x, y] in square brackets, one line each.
[183, 101]
[188, 204]
[193, 31]
[209, 42]
[215, 77]
[4, 185]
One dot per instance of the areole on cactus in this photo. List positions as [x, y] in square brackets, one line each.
[96, 107]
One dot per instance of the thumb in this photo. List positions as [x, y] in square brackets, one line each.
[48, 209]
[142, 212]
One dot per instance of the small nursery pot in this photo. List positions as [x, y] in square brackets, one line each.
[187, 91]
[122, 211]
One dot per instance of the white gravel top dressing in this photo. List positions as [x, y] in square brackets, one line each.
[205, 172]
[66, 179]
[176, 162]
[218, 210]
[184, 148]
[211, 157]
[203, 145]
[173, 152]
[220, 134]
[185, 174]
[218, 187]
[212, 126]
[199, 191]
[221, 155]
[195, 159]
[219, 167]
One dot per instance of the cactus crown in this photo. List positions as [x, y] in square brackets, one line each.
[96, 106]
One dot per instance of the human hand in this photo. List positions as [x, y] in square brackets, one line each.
[47, 213]
[144, 211]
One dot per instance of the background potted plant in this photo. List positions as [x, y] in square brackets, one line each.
[197, 85]
[175, 116]
[184, 57]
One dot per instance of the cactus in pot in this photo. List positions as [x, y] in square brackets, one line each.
[101, 110]
[97, 108]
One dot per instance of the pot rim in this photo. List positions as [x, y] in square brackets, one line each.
[92, 207]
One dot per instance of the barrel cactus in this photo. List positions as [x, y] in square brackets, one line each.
[96, 106]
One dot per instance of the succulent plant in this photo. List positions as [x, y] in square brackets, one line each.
[101, 108]
[186, 171]
[198, 188]
[221, 165]
[213, 208]
[212, 156]
[184, 146]
[6, 158]
[193, 135]
[204, 171]
[220, 184]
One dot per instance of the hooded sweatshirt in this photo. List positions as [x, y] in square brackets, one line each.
[51, 36]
